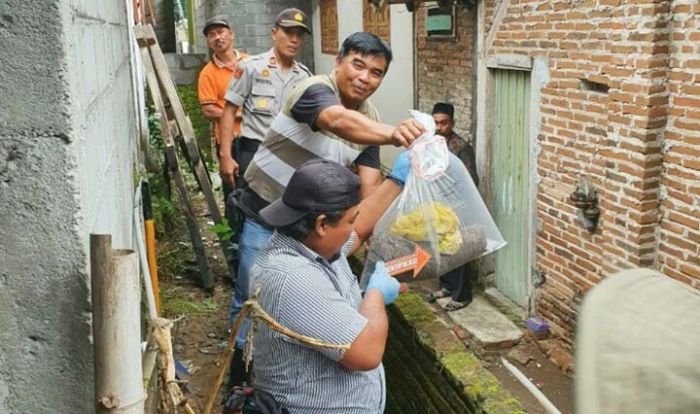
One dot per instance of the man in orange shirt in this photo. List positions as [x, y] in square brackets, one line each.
[216, 75]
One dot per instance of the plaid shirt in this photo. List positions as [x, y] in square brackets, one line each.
[320, 299]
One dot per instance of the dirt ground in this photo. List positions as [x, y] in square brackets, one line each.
[544, 374]
[200, 336]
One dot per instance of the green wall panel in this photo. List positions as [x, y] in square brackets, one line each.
[511, 166]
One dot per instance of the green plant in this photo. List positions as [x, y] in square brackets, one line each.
[178, 300]
[173, 258]
[223, 231]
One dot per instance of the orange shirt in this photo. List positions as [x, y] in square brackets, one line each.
[212, 84]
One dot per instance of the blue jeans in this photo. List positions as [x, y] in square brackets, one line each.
[253, 238]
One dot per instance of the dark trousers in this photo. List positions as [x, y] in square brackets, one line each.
[459, 282]
[242, 151]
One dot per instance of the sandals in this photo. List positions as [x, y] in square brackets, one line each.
[453, 305]
[438, 294]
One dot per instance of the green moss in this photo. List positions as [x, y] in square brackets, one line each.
[461, 364]
[414, 309]
[413, 321]
[478, 384]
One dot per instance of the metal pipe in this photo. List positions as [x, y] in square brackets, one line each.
[539, 395]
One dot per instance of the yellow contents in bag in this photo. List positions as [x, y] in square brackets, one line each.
[416, 224]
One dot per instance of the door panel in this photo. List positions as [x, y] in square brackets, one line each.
[511, 166]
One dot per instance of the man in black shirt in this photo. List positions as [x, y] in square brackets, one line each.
[455, 283]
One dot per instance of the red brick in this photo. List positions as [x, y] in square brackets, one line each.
[686, 101]
[691, 223]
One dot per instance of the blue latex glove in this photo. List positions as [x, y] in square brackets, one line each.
[400, 169]
[388, 285]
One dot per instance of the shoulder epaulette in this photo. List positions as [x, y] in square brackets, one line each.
[304, 68]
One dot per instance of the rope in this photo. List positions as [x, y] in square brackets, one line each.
[252, 307]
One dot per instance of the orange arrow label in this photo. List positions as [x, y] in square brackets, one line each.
[415, 261]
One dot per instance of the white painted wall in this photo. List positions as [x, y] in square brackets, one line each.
[394, 97]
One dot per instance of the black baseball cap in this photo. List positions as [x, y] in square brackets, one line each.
[292, 18]
[316, 186]
[444, 108]
[218, 20]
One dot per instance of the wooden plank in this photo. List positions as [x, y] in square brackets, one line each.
[173, 104]
[172, 97]
[174, 168]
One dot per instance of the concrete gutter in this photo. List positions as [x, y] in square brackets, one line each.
[483, 390]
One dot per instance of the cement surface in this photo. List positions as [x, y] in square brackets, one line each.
[184, 68]
[67, 148]
[489, 327]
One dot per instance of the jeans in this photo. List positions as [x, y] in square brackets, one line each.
[253, 238]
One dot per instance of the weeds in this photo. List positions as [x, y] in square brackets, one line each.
[176, 300]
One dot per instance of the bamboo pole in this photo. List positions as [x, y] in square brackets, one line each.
[116, 314]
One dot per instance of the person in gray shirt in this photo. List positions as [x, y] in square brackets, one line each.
[305, 283]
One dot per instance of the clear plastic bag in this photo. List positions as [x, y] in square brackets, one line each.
[439, 222]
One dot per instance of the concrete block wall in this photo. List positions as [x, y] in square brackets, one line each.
[252, 22]
[67, 154]
[637, 142]
[445, 68]
[184, 68]
[165, 24]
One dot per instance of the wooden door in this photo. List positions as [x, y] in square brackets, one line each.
[511, 178]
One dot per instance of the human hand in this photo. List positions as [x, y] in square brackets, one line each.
[388, 285]
[406, 132]
[228, 170]
[400, 169]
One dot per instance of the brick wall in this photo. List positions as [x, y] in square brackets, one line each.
[679, 235]
[444, 68]
[490, 7]
[638, 143]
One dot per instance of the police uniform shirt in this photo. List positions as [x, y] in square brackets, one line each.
[259, 87]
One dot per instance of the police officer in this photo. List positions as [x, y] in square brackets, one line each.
[260, 85]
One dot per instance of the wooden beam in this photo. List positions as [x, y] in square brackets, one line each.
[173, 105]
[175, 172]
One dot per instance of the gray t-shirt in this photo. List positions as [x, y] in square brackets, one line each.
[315, 99]
[313, 297]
